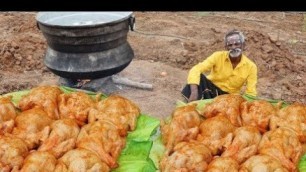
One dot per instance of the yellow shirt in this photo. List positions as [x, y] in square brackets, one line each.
[224, 76]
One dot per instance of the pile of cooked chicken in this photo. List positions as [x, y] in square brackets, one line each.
[232, 134]
[49, 130]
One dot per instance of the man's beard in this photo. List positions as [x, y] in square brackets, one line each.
[236, 52]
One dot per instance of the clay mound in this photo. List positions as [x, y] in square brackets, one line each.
[22, 45]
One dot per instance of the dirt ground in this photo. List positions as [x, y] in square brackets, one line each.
[166, 46]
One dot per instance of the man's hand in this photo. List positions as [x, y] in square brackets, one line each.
[194, 92]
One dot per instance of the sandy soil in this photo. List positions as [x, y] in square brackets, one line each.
[171, 43]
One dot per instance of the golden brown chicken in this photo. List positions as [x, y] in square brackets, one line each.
[227, 104]
[119, 110]
[80, 160]
[76, 106]
[223, 164]
[189, 156]
[184, 126]
[244, 145]
[12, 153]
[292, 116]
[258, 114]
[216, 133]
[62, 137]
[282, 144]
[39, 162]
[103, 138]
[32, 126]
[5, 168]
[8, 113]
[42, 96]
[262, 163]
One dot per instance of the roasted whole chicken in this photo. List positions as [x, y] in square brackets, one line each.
[258, 114]
[44, 97]
[62, 137]
[223, 164]
[40, 162]
[227, 104]
[245, 144]
[76, 106]
[216, 133]
[8, 113]
[80, 160]
[262, 163]
[12, 153]
[103, 138]
[121, 111]
[282, 144]
[49, 130]
[292, 116]
[184, 126]
[187, 156]
[33, 126]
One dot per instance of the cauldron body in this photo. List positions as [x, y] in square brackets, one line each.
[86, 45]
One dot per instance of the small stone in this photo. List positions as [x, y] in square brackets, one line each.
[298, 77]
[18, 57]
[273, 37]
[14, 45]
[276, 95]
[29, 58]
[267, 49]
[12, 50]
[163, 73]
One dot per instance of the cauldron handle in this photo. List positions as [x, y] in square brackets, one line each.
[132, 21]
[37, 25]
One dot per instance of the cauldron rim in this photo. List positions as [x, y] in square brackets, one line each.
[117, 18]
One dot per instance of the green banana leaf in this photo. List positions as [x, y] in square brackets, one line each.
[158, 148]
[302, 164]
[68, 90]
[135, 156]
[273, 102]
[202, 103]
[145, 128]
[16, 96]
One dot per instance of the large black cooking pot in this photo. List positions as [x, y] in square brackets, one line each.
[86, 45]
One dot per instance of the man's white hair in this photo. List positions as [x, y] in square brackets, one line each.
[235, 32]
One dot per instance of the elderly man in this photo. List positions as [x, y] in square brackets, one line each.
[229, 71]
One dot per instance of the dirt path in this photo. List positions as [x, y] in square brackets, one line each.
[167, 83]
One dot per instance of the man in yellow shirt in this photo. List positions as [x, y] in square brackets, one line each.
[229, 71]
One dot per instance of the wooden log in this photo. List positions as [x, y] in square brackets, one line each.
[125, 81]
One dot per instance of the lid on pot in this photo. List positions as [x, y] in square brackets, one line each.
[72, 19]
